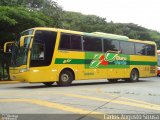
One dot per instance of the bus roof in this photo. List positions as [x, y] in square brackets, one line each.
[108, 35]
[96, 34]
[142, 41]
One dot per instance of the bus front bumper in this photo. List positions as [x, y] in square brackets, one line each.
[19, 77]
[34, 75]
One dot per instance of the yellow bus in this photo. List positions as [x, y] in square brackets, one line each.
[158, 67]
[48, 55]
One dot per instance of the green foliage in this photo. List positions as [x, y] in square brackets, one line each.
[51, 9]
[86, 23]
[18, 15]
[47, 7]
[8, 2]
[13, 20]
[92, 23]
[30, 3]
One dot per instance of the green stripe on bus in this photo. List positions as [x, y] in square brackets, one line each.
[88, 61]
[142, 63]
[69, 61]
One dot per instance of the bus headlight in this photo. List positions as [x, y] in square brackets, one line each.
[23, 70]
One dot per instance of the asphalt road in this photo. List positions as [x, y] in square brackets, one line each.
[81, 100]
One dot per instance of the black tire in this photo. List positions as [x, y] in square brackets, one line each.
[48, 83]
[134, 76]
[65, 78]
[112, 80]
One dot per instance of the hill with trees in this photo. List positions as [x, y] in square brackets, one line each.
[18, 15]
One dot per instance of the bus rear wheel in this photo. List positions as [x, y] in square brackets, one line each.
[48, 83]
[134, 76]
[65, 78]
[112, 80]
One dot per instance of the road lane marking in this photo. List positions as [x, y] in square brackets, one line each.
[107, 100]
[140, 104]
[52, 105]
[129, 99]
[115, 101]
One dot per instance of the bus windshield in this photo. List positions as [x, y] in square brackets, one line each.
[27, 32]
[20, 53]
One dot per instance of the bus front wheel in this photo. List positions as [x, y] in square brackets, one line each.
[65, 78]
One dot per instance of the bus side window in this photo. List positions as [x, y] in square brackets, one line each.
[38, 51]
[127, 48]
[43, 48]
[140, 49]
[76, 42]
[110, 45]
[150, 50]
[70, 42]
[92, 44]
[64, 42]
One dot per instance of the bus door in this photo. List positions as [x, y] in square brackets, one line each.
[42, 53]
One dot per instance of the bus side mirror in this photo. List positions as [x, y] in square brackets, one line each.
[8, 47]
[22, 41]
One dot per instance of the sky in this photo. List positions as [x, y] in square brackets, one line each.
[145, 13]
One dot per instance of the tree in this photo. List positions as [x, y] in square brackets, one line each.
[86, 23]
[26, 3]
[47, 7]
[53, 10]
[13, 20]
[35, 13]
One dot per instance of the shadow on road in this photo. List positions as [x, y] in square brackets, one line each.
[74, 84]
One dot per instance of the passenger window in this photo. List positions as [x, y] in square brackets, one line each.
[76, 42]
[150, 50]
[127, 48]
[38, 49]
[92, 44]
[111, 45]
[65, 42]
[70, 42]
[140, 49]
[43, 48]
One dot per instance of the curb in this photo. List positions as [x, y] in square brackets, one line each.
[8, 82]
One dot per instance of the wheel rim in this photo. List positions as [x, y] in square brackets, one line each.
[134, 76]
[65, 77]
